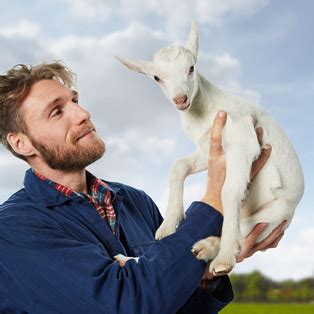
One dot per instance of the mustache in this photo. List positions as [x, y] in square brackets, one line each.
[86, 128]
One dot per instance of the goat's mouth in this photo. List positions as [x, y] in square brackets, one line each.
[183, 106]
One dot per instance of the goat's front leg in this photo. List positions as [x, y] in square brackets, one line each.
[121, 259]
[174, 213]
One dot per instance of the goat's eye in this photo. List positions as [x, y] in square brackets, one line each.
[191, 69]
[157, 79]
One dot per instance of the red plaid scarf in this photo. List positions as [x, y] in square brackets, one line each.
[100, 197]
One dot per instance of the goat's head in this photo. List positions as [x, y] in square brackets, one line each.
[173, 68]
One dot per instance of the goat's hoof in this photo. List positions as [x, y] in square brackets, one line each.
[220, 267]
[165, 230]
[206, 249]
[222, 270]
[121, 259]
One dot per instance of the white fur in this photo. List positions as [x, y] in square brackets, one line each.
[278, 187]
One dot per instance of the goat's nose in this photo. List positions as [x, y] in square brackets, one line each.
[180, 99]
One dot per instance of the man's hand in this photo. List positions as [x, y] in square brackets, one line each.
[217, 162]
[250, 246]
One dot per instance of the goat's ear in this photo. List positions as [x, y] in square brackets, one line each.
[192, 42]
[141, 66]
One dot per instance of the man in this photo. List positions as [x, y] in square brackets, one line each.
[60, 233]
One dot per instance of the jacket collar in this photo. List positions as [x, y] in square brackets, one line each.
[43, 192]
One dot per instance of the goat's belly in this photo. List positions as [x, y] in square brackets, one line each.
[270, 185]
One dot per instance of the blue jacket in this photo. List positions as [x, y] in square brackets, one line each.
[56, 256]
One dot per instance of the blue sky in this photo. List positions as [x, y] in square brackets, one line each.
[260, 49]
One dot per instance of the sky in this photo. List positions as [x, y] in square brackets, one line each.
[259, 49]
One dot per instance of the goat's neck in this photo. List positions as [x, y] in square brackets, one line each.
[196, 120]
[202, 104]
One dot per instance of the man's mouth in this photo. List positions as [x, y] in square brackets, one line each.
[86, 133]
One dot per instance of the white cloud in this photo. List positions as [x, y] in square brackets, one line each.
[224, 70]
[307, 237]
[91, 9]
[173, 13]
[22, 28]
[135, 142]
[135, 38]
[214, 12]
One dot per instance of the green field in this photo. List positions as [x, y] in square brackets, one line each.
[262, 308]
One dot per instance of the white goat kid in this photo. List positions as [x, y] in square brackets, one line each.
[276, 190]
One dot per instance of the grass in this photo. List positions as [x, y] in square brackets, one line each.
[263, 308]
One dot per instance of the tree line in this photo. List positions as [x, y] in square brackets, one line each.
[255, 287]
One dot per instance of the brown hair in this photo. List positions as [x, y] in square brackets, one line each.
[15, 85]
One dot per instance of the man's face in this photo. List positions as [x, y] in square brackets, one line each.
[59, 129]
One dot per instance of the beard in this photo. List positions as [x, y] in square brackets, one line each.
[74, 156]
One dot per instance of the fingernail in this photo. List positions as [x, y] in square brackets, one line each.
[263, 225]
[221, 113]
[267, 146]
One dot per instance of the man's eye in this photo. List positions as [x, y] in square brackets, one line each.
[191, 69]
[75, 100]
[56, 112]
[157, 79]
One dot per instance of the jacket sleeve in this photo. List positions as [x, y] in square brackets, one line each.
[211, 300]
[45, 271]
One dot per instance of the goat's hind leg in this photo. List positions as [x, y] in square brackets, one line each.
[273, 214]
[206, 249]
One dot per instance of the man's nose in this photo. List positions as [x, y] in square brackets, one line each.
[180, 99]
[81, 114]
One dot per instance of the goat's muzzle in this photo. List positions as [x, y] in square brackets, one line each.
[181, 102]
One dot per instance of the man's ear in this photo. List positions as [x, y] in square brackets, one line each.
[141, 66]
[21, 144]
